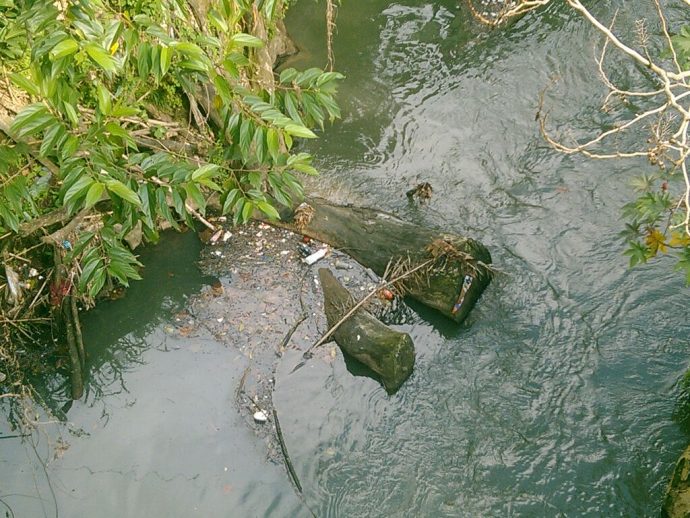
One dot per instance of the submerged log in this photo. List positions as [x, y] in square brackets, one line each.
[377, 240]
[387, 352]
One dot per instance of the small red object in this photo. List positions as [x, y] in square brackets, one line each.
[387, 294]
[306, 239]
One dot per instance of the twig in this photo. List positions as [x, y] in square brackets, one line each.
[79, 339]
[286, 457]
[330, 29]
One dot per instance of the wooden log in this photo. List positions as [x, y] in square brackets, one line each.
[378, 239]
[387, 352]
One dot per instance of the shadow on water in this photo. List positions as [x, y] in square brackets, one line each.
[115, 332]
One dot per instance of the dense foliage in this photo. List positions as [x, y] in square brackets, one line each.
[95, 72]
[119, 118]
[659, 215]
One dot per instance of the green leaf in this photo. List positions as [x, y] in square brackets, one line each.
[288, 75]
[144, 59]
[268, 209]
[69, 147]
[165, 59]
[273, 141]
[255, 178]
[115, 130]
[31, 119]
[52, 137]
[9, 217]
[246, 40]
[163, 209]
[64, 48]
[178, 203]
[299, 131]
[94, 194]
[104, 101]
[189, 49]
[305, 168]
[146, 208]
[259, 145]
[245, 136]
[122, 110]
[124, 192]
[327, 77]
[195, 65]
[71, 113]
[206, 171]
[217, 21]
[25, 84]
[99, 278]
[195, 195]
[78, 188]
[291, 107]
[101, 57]
[92, 264]
[308, 76]
[637, 252]
[230, 200]
[247, 210]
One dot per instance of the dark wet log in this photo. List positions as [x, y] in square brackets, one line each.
[376, 239]
[389, 353]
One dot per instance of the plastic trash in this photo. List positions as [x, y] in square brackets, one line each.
[340, 265]
[13, 285]
[305, 250]
[319, 254]
[466, 284]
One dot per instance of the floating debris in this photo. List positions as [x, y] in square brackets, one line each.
[387, 294]
[319, 254]
[340, 265]
[260, 416]
[304, 249]
[13, 285]
[215, 237]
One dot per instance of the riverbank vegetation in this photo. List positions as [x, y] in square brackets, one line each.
[647, 107]
[121, 118]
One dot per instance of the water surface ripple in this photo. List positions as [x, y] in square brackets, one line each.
[556, 398]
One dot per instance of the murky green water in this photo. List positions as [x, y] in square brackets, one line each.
[555, 398]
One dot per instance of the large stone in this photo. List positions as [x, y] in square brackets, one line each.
[677, 500]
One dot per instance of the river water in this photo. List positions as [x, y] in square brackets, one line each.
[555, 398]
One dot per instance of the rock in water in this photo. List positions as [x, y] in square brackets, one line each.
[677, 499]
[389, 353]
